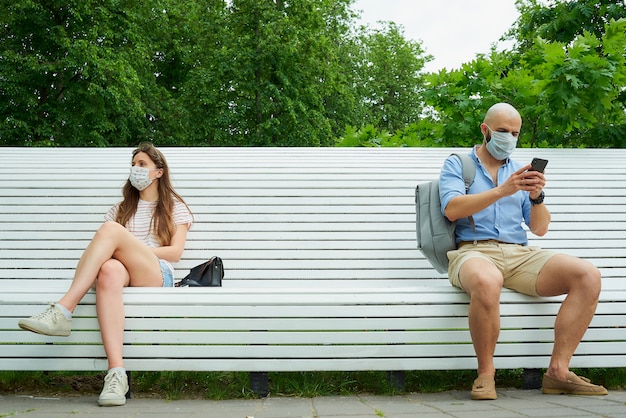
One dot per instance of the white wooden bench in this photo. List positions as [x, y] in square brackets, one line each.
[322, 270]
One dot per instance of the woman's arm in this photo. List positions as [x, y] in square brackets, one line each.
[174, 251]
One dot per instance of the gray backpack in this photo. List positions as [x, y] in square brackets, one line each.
[435, 233]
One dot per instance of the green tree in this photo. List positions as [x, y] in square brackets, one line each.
[387, 95]
[581, 66]
[562, 21]
[390, 79]
[175, 32]
[270, 75]
[71, 73]
[569, 94]
[210, 72]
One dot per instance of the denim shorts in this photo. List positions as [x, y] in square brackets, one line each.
[167, 273]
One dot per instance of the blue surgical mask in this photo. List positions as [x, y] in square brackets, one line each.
[501, 145]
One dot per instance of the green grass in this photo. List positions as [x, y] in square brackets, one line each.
[236, 385]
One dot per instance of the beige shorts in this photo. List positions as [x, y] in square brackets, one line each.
[520, 265]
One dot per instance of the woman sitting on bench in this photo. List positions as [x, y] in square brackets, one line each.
[142, 235]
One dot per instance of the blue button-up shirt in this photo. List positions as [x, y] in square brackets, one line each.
[500, 221]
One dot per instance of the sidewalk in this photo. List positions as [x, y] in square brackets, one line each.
[510, 403]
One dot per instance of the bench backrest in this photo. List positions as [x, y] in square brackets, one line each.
[308, 217]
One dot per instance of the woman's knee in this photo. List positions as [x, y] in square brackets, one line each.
[109, 229]
[112, 275]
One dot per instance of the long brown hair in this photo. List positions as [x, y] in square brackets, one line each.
[162, 223]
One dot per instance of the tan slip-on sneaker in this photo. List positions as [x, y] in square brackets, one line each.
[575, 385]
[484, 389]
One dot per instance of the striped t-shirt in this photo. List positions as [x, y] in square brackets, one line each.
[139, 224]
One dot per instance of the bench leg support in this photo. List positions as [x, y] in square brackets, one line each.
[259, 384]
[532, 378]
[396, 380]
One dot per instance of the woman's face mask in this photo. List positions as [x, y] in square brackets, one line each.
[140, 177]
[501, 144]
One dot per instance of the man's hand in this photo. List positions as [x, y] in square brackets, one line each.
[529, 181]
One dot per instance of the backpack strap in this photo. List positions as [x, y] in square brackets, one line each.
[469, 172]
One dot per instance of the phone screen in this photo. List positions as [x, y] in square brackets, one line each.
[538, 164]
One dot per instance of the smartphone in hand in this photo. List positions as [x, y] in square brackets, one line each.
[538, 164]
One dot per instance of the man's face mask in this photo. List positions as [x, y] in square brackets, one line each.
[140, 177]
[501, 144]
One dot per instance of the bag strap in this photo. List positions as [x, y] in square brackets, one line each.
[469, 170]
[469, 173]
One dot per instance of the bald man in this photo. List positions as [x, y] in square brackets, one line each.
[493, 253]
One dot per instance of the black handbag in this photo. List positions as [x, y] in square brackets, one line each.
[210, 273]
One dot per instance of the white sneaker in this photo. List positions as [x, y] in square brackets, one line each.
[114, 390]
[49, 322]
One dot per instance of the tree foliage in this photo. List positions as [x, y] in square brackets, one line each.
[202, 72]
[390, 77]
[569, 90]
[268, 73]
[562, 21]
[297, 73]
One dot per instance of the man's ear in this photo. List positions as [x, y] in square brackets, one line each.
[484, 129]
